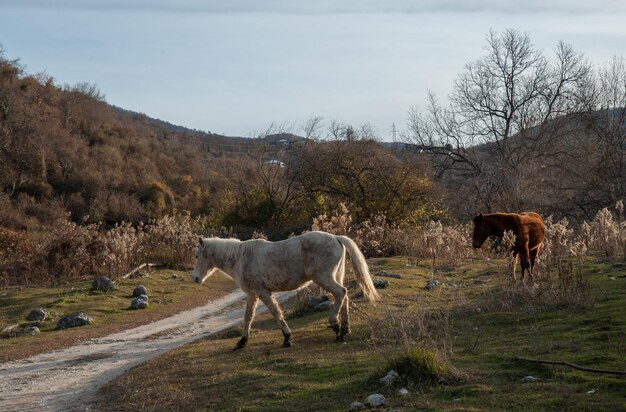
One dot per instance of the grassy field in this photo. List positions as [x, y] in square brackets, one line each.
[480, 325]
[169, 292]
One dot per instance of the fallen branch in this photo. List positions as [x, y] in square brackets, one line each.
[138, 268]
[574, 366]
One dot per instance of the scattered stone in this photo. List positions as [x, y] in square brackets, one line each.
[452, 285]
[375, 400]
[140, 302]
[14, 331]
[140, 290]
[356, 406]
[174, 276]
[591, 392]
[529, 378]
[403, 392]
[103, 283]
[389, 379]
[73, 320]
[388, 275]
[323, 306]
[381, 283]
[38, 314]
[478, 310]
[431, 284]
[612, 278]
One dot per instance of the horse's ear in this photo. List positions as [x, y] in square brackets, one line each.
[478, 218]
[200, 241]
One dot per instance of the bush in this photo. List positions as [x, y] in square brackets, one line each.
[422, 341]
[172, 240]
[422, 367]
[375, 237]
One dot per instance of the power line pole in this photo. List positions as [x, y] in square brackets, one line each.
[393, 132]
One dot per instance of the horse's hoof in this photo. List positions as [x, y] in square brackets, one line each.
[341, 338]
[287, 344]
[241, 344]
[336, 329]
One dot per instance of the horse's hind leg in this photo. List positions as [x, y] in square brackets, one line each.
[248, 318]
[269, 301]
[533, 260]
[345, 318]
[340, 294]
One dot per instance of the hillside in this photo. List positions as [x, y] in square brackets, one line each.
[65, 150]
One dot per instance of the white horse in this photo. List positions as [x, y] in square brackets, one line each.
[260, 267]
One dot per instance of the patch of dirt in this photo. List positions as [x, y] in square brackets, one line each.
[68, 379]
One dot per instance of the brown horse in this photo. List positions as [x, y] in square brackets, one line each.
[528, 229]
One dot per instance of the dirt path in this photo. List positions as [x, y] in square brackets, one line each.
[68, 379]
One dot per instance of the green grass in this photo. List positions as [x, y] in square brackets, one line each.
[319, 374]
[110, 310]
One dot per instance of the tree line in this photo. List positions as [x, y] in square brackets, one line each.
[66, 154]
[521, 130]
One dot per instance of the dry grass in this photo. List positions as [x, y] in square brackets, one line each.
[69, 251]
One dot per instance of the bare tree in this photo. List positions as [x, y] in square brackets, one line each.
[599, 175]
[502, 114]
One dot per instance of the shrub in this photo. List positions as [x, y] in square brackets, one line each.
[606, 235]
[375, 236]
[423, 367]
[172, 240]
[422, 341]
[444, 246]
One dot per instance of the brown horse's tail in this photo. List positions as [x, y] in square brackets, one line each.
[360, 268]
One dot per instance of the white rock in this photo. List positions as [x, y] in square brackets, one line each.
[323, 306]
[375, 399]
[355, 406]
[390, 377]
[403, 392]
[529, 378]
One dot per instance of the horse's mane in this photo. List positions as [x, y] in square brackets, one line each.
[225, 247]
[231, 246]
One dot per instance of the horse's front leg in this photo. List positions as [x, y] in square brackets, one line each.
[248, 318]
[525, 255]
[272, 305]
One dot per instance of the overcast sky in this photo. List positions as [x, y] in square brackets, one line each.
[235, 66]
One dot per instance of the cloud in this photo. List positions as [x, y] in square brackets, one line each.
[333, 6]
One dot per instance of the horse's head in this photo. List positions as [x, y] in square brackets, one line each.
[204, 263]
[481, 231]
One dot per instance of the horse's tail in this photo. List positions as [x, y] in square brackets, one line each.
[360, 268]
